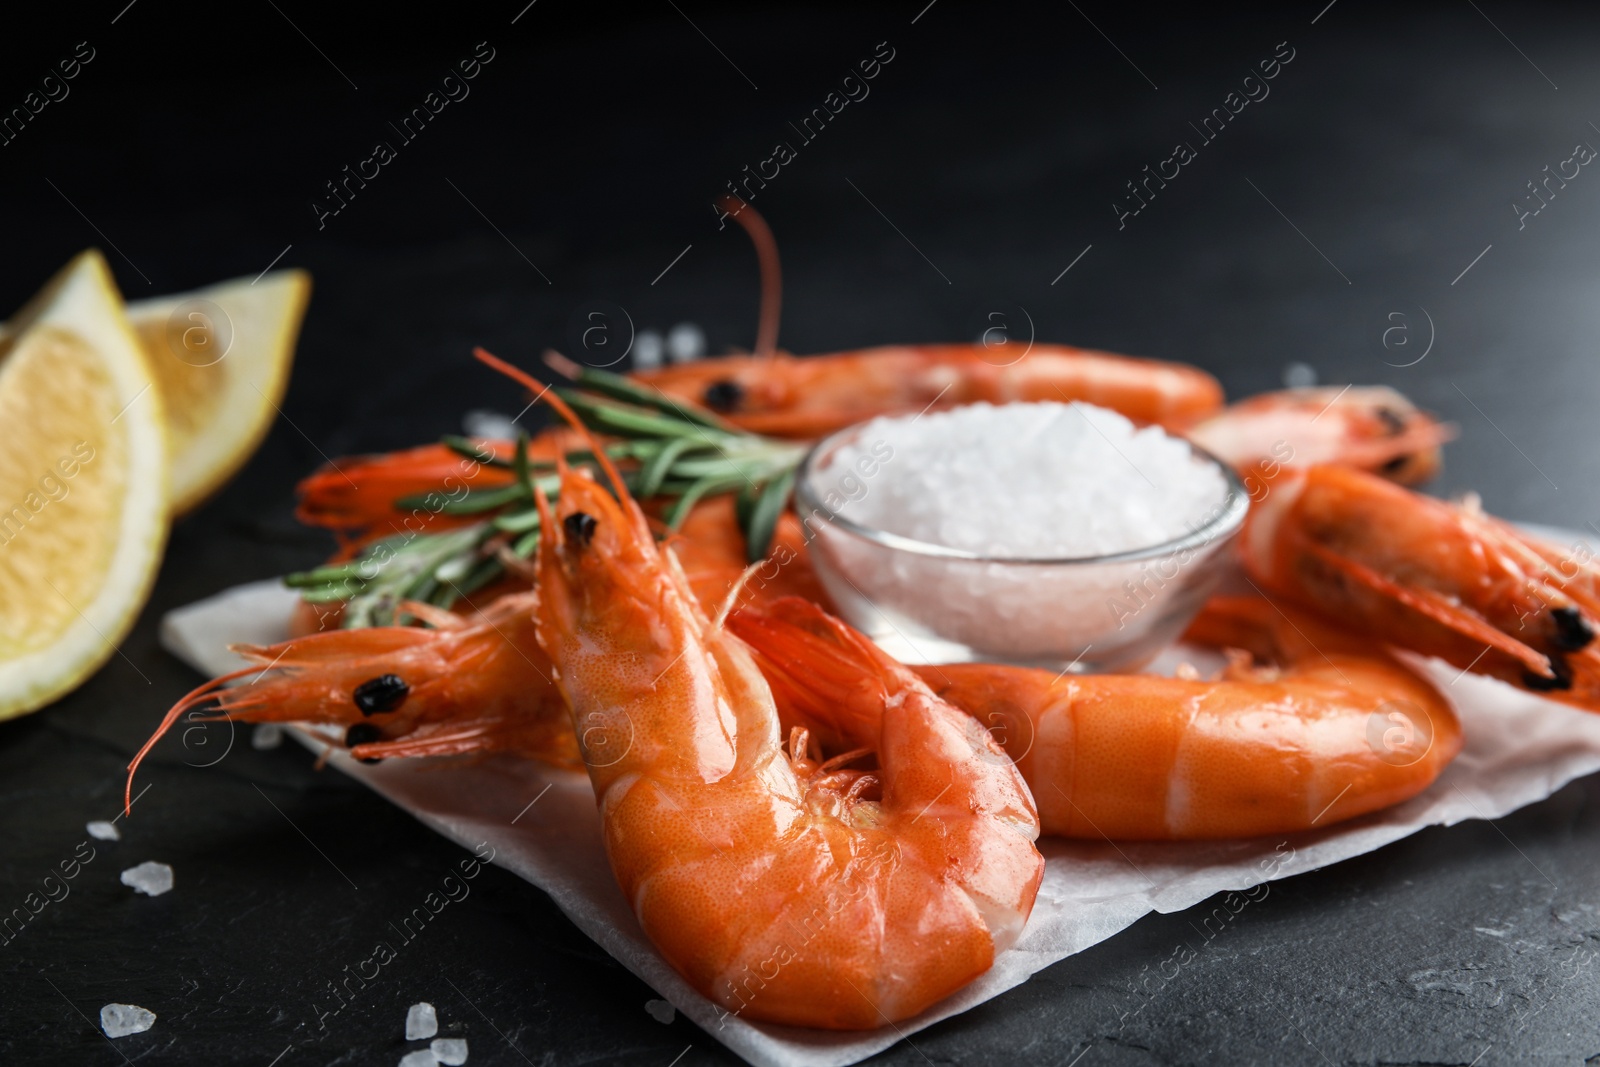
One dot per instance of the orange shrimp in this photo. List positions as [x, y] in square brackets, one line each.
[357, 496]
[1433, 577]
[358, 492]
[1339, 730]
[476, 680]
[775, 393]
[474, 684]
[783, 886]
[789, 396]
[1373, 428]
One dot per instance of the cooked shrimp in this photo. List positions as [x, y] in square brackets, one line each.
[476, 680]
[784, 886]
[1370, 427]
[789, 396]
[475, 684]
[1338, 730]
[1429, 576]
[359, 495]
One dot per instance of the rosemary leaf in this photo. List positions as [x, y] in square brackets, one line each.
[654, 472]
[745, 503]
[693, 494]
[469, 448]
[519, 465]
[620, 388]
[517, 521]
[620, 421]
[764, 516]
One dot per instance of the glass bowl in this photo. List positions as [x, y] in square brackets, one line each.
[927, 603]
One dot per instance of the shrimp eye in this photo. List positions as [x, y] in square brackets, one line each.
[362, 733]
[1572, 631]
[725, 395]
[383, 693]
[1540, 684]
[579, 527]
[1391, 421]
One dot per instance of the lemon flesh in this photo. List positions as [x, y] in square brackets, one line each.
[83, 485]
[221, 358]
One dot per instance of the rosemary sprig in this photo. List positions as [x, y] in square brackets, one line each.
[669, 449]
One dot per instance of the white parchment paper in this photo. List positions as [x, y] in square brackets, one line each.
[544, 827]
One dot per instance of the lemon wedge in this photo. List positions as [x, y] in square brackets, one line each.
[221, 358]
[83, 485]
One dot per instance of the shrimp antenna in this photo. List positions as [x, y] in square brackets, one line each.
[194, 698]
[543, 392]
[771, 276]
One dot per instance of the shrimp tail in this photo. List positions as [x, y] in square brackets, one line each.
[818, 668]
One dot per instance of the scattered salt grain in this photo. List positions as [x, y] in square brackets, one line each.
[1028, 481]
[648, 350]
[268, 735]
[1299, 376]
[423, 1057]
[660, 1011]
[120, 1020]
[450, 1051]
[686, 342]
[490, 425]
[150, 878]
[421, 1021]
[101, 830]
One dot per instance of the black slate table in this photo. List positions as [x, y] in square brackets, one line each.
[1366, 214]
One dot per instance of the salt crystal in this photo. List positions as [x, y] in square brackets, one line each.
[686, 342]
[660, 1011]
[268, 735]
[648, 349]
[450, 1051]
[150, 878]
[421, 1021]
[488, 425]
[423, 1057]
[1299, 376]
[101, 830]
[120, 1020]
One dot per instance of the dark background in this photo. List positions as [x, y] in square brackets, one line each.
[997, 140]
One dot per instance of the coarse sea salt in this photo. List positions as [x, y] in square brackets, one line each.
[267, 736]
[450, 1051]
[1032, 481]
[423, 1057]
[120, 1020]
[421, 1021]
[101, 830]
[1040, 493]
[149, 878]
